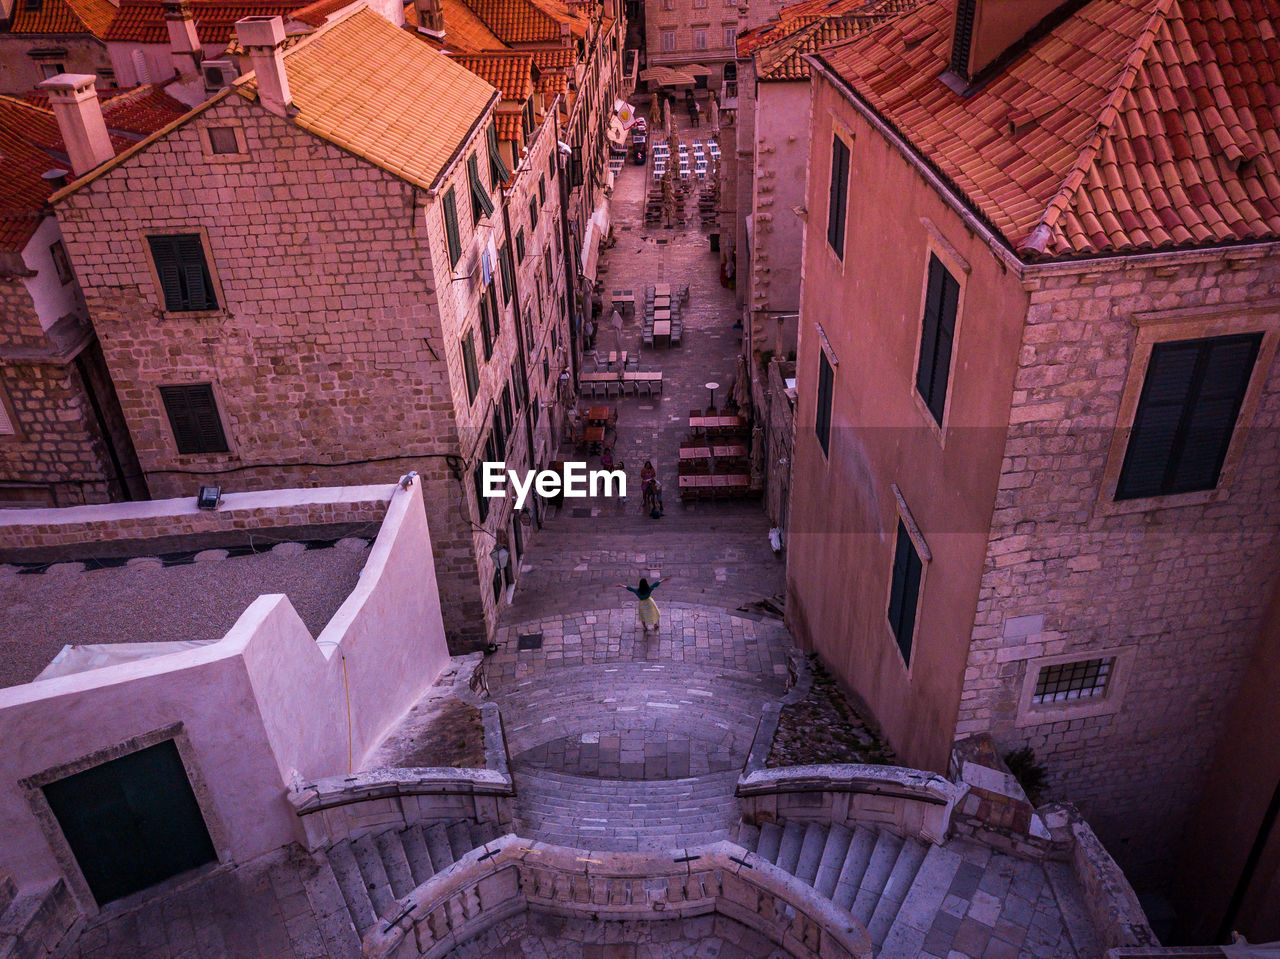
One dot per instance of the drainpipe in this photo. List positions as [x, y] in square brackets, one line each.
[570, 263]
[520, 344]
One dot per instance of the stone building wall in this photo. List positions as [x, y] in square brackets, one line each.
[1172, 587]
[18, 71]
[328, 356]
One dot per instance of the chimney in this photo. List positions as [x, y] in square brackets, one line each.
[75, 104]
[263, 39]
[184, 42]
[430, 19]
[986, 29]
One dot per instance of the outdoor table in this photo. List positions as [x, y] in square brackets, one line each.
[661, 301]
[728, 452]
[599, 377]
[595, 434]
[711, 394]
[598, 414]
[662, 289]
[623, 296]
[661, 314]
[661, 332]
[717, 422]
[614, 357]
[694, 452]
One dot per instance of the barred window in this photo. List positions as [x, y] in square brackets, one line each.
[1082, 679]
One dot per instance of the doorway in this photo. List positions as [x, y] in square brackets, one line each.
[132, 822]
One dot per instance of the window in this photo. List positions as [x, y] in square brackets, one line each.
[48, 70]
[183, 273]
[937, 334]
[575, 163]
[904, 594]
[699, 39]
[517, 387]
[699, 4]
[822, 421]
[223, 140]
[469, 366]
[1083, 679]
[498, 172]
[520, 245]
[7, 426]
[508, 415]
[839, 197]
[481, 205]
[533, 214]
[486, 336]
[1186, 415]
[668, 41]
[542, 189]
[730, 39]
[668, 4]
[33, 6]
[508, 272]
[452, 236]
[61, 263]
[193, 415]
[106, 77]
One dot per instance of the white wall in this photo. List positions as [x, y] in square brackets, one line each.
[263, 702]
[52, 298]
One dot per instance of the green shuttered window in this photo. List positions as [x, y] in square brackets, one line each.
[193, 414]
[1186, 415]
[183, 272]
[937, 334]
[839, 197]
[452, 236]
[904, 595]
[822, 421]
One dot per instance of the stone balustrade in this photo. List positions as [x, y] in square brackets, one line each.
[347, 807]
[512, 874]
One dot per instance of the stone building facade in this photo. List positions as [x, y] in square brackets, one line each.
[1009, 515]
[684, 32]
[345, 334]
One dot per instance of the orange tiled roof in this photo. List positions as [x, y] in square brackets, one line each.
[795, 17]
[527, 21]
[510, 73]
[142, 21]
[508, 125]
[1134, 125]
[31, 145]
[64, 17]
[554, 58]
[783, 58]
[379, 92]
[317, 12]
[552, 84]
[464, 32]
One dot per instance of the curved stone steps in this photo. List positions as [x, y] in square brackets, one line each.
[599, 814]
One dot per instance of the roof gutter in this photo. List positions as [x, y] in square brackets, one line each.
[456, 155]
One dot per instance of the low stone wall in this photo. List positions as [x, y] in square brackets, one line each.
[157, 526]
[910, 802]
[511, 874]
[347, 807]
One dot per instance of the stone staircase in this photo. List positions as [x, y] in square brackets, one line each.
[359, 880]
[893, 886]
[37, 921]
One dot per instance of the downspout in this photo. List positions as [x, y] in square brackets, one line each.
[520, 344]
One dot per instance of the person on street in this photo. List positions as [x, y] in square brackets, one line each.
[649, 615]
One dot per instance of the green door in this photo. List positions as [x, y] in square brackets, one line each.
[132, 822]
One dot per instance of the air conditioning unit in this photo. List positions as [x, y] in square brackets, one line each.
[218, 74]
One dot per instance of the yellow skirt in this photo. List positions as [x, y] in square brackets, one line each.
[649, 612]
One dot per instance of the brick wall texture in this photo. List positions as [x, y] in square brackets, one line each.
[1184, 584]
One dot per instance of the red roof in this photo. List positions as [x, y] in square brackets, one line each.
[527, 21]
[64, 17]
[142, 21]
[510, 73]
[31, 145]
[1134, 125]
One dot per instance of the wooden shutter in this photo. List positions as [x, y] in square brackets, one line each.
[164, 253]
[520, 245]
[452, 236]
[481, 205]
[183, 273]
[486, 337]
[193, 415]
[839, 196]
[822, 422]
[508, 416]
[498, 172]
[504, 264]
[469, 366]
[1186, 415]
[904, 593]
[937, 335]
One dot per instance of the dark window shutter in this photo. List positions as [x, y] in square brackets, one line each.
[518, 387]
[482, 501]
[822, 422]
[508, 415]
[839, 195]
[481, 205]
[937, 334]
[904, 593]
[520, 245]
[193, 415]
[498, 172]
[469, 366]
[183, 272]
[486, 337]
[452, 236]
[1186, 415]
[504, 264]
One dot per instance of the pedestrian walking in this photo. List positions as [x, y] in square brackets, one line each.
[649, 615]
[589, 333]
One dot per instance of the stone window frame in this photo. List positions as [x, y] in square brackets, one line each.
[206, 142]
[195, 378]
[937, 244]
[844, 132]
[902, 512]
[222, 309]
[32, 788]
[1031, 713]
[1188, 323]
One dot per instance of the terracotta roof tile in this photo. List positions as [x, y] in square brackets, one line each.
[528, 21]
[30, 145]
[510, 73]
[552, 84]
[783, 58]
[795, 17]
[64, 17]
[1133, 125]
[464, 31]
[380, 93]
[508, 125]
[142, 21]
[554, 58]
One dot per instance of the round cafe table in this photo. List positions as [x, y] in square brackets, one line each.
[711, 391]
